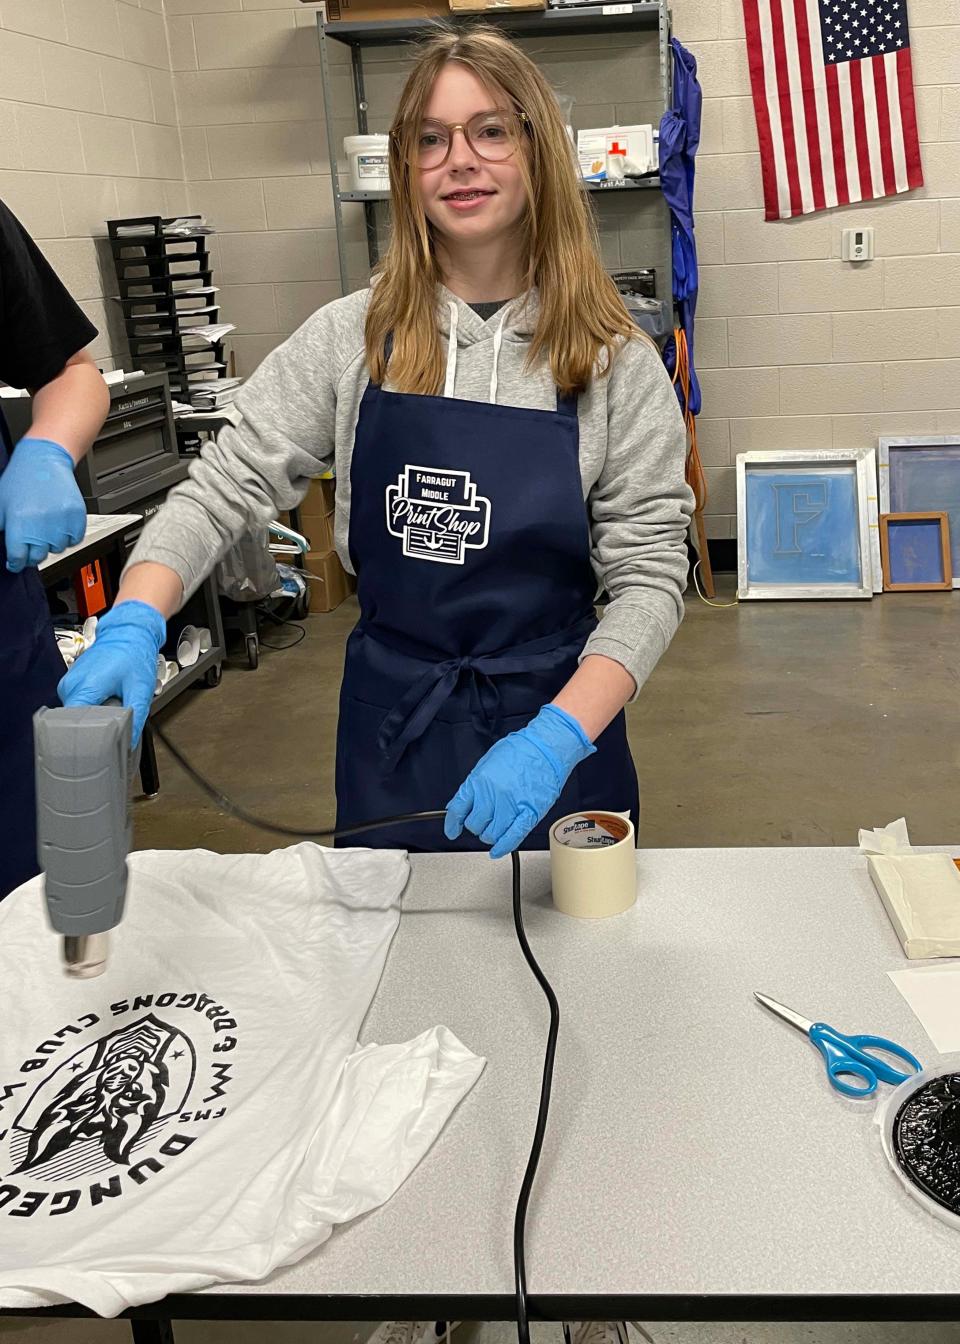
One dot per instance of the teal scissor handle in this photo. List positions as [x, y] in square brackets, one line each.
[850, 1054]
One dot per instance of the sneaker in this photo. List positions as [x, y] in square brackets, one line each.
[413, 1332]
[600, 1332]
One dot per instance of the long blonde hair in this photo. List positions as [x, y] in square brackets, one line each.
[581, 313]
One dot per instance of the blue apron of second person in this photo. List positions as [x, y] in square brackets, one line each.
[470, 539]
[30, 668]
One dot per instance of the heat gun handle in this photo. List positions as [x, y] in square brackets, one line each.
[83, 770]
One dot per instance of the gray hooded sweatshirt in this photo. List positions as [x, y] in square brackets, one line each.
[299, 413]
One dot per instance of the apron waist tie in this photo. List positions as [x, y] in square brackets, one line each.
[414, 712]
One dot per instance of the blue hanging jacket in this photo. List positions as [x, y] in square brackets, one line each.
[679, 139]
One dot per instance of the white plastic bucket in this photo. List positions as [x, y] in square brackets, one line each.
[367, 156]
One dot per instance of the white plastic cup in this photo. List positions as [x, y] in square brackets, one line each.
[188, 646]
[166, 671]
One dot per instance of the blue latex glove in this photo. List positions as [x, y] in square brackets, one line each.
[41, 507]
[122, 662]
[518, 781]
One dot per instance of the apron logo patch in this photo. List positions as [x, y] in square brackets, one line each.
[438, 514]
[83, 1126]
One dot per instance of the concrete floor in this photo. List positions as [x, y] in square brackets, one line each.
[767, 724]
[773, 723]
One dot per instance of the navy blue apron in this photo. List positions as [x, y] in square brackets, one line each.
[471, 543]
[30, 667]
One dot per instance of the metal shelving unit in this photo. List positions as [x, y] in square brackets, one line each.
[640, 16]
[648, 184]
[519, 23]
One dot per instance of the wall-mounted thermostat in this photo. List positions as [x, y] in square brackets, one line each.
[856, 244]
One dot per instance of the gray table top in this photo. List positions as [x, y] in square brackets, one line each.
[694, 1145]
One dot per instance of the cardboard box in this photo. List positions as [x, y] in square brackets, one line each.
[319, 500]
[331, 583]
[478, 6]
[317, 515]
[375, 11]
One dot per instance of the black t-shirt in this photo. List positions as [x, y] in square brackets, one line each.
[487, 309]
[41, 326]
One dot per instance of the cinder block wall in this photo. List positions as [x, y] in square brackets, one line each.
[88, 130]
[796, 348]
[248, 88]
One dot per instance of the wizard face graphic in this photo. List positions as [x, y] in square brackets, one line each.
[111, 1092]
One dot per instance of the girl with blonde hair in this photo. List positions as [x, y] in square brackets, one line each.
[506, 445]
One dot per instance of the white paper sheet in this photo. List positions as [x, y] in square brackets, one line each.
[212, 333]
[99, 525]
[891, 839]
[933, 993]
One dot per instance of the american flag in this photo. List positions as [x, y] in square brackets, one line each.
[833, 97]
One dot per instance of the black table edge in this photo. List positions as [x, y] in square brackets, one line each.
[501, 1307]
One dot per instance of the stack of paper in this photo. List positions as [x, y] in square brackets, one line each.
[211, 394]
[176, 228]
[186, 228]
[122, 376]
[216, 385]
[921, 894]
[213, 332]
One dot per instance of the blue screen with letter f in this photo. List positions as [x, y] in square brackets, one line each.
[803, 525]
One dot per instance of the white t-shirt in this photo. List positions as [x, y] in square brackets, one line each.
[201, 1113]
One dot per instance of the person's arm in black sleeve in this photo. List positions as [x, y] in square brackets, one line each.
[42, 335]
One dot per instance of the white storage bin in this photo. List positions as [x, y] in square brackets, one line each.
[367, 156]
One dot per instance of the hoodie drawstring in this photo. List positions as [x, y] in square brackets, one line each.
[497, 342]
[451, 352]
[451, 373]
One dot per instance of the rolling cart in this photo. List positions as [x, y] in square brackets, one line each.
[242, 616]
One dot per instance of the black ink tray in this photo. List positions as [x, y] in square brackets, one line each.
[920, 1126]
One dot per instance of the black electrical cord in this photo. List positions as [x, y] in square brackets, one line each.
[520, 1218]
[290, 644]
[543, 1109]
[266, 614]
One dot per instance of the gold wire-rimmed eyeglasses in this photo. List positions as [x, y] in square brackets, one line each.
[493, 136]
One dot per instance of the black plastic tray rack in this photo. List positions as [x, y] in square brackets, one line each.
[157, 273]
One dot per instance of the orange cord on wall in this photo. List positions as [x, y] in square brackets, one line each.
[694, 472]
[695, 477]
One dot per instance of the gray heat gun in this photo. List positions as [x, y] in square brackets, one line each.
[84, 769]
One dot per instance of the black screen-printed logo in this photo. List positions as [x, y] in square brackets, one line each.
[100, 1107]
[438, 514]
[105, 1099]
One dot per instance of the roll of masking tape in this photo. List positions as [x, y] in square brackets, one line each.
[593, 864]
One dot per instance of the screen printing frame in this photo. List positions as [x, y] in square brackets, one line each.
[862, 465]
[890, 522]
[889, 503]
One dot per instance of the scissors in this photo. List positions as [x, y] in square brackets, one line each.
[848, 1054]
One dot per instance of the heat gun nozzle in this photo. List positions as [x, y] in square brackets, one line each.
[85, 957]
